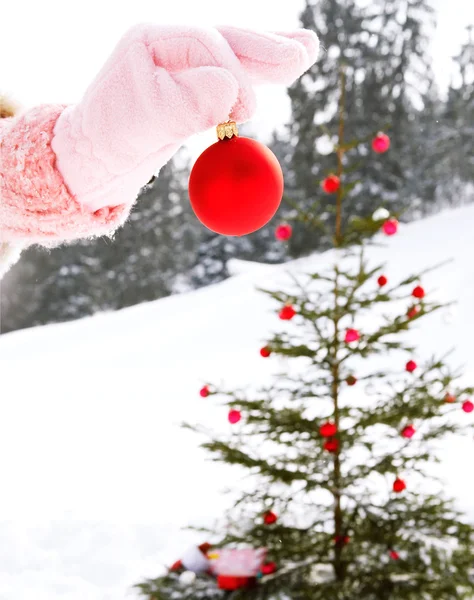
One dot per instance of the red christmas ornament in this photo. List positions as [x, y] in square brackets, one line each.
[204, 391]
[399, 485]
[331, 445]
[287, 313]
[352, 335]
[234, 416]
[342, 540]
[381, 143]
[411, 366]
[467, 406]
[268, 568]
[408, 431]
[269, 518]
[351, 380]
[394, 555]
[331, 184]
[418, 292]
[450, 398]
[412, 312]
[236, 185]
[283, 232]
[328, 429]
[390, 227]
[265, 352]
[231, 582]
[382, 280]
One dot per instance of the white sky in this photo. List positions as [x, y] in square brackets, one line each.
[51, 49]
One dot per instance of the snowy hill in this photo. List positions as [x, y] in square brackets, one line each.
[97, 476]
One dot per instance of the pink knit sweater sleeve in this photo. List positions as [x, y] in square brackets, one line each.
[35, 203]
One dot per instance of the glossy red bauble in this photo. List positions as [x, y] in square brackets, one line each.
[342, 540]
[283, 232]
[408, 431]
[331, 184]
[399, 485]
[418, 292]
[382, 280]
[236, 186]
[268, 568]
[328, 429]
[467, 406]
[411, 366]
[381, 143]
[269, 517]
[265, 352]
[204, 392]
[351, 380]
[287, 313]
[331, 445]
[352, 335]
[234, 416]
[390, 227]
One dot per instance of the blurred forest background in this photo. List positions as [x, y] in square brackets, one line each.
[163, 249]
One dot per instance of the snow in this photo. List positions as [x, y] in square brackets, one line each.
[97, 476]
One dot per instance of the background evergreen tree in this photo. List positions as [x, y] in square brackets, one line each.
[354, 509]
[383, 46]
[145, 260]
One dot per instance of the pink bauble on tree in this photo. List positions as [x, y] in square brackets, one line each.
[381, 143]
[390, 227]
[352, 335]
[236, 185]
[234, 416]
[283, 232]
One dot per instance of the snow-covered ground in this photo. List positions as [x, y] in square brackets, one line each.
[97, 477]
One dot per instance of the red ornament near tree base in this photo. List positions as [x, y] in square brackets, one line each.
[236, 185]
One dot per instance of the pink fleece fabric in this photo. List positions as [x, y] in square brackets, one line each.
[72, 172]
[35, 202]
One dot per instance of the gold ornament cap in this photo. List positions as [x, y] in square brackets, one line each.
[227, 130]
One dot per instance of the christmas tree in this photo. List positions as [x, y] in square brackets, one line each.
[385, 49]
[345, 503]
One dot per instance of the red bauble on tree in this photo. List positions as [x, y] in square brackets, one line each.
[399, 485]
[394, 555]
[269, 517]
[351, 380]
[467, 406]
[283, 232]
[408, 431]
[331, 445]
[450, 398]
[382, 280]
[328, 429]
[342, 540]
[331, 184]
[352, 335]
[234, 416]
[418, 292]
[287, 313]
[204, 391]
[390, 227]
[412, 312]
[381, 143]
[411, 366]
[265, 352]
[236, 185]
[268, 568]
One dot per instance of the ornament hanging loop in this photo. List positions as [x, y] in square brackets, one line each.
[227, 130]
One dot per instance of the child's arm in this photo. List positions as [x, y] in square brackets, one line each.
[70, 172]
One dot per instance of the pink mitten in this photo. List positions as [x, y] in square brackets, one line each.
[75, 171]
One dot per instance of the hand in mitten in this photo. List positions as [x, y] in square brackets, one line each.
[75, 171]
